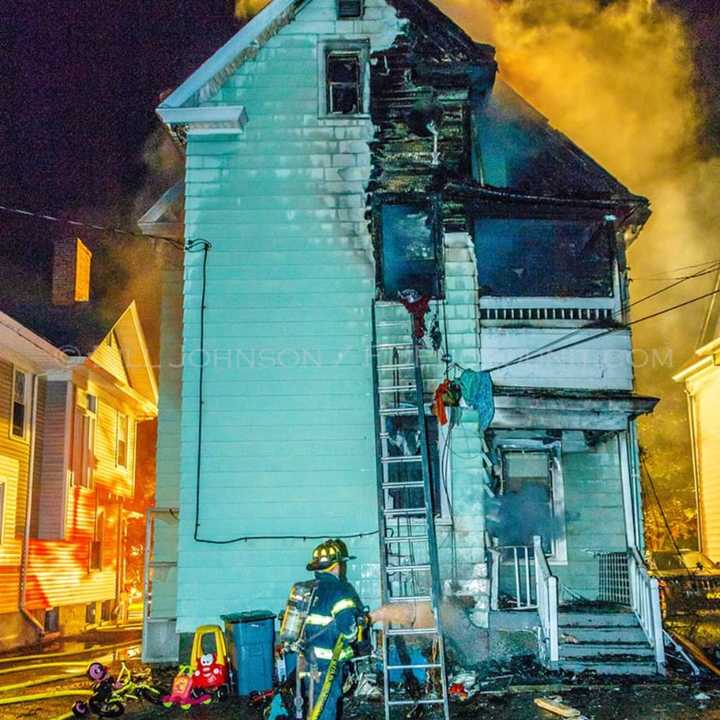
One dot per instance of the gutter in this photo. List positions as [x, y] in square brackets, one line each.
[25, 553]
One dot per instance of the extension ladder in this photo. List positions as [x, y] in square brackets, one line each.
[408, 544]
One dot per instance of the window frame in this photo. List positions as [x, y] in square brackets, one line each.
[3, 507]
[18, 370]
[553, 450]
[350, 18]
[87, 437]
[126, 465]
[360, 48]
[433, 202]
[98, 540]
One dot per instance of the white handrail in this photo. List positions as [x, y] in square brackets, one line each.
[645, 596]
[546, 585]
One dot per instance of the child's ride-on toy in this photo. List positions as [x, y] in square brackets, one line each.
[208, 675]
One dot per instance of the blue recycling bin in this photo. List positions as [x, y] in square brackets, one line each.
[251, 645]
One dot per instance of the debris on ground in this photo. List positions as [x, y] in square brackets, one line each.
[557, 707]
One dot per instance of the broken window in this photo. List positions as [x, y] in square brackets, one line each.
[350, 9]
[410, 250]
[344, 79]
[540, 257]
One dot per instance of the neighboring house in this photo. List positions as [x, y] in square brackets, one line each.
[701, 375]
[337, 153]
[73, 388]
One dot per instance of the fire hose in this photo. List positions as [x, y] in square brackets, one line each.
[330, 675]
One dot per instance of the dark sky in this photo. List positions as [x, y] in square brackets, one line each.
[81, 79]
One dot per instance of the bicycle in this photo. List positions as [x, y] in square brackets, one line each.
[110, 695]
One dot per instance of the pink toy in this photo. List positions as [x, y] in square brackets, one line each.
[184, 693]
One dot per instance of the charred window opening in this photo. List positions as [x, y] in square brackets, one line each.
[403, 441]
[539, 257]
[529, 496]
[411, 250]
[350, 9]
[344, 83]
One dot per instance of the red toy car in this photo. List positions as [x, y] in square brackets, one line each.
[211, 675]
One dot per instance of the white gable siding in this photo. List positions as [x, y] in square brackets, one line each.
[288, 424]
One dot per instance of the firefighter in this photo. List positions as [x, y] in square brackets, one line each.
[331, 628]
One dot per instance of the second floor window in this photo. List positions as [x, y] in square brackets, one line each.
[344, 83]
[410, 257]
[121, 449]
[83, 441]
[19, 411]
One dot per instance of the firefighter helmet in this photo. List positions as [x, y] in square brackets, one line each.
[329, 553]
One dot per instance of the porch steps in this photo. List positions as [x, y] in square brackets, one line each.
[608, 643]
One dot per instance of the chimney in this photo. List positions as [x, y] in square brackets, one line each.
[71, 272]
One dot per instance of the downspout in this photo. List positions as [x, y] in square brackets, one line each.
[25, 553]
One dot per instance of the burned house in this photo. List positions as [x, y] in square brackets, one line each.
[347, 162]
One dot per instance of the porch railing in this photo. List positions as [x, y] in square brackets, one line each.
[645, 597]
[546, 588]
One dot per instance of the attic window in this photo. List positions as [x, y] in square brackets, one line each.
[344, 83]
[350, 9]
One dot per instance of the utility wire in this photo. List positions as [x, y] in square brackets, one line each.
[536, 356]
[90, 226]
[620, 312]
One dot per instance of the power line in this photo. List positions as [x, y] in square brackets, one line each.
[536, 356]
[617, 313]
[89, 226]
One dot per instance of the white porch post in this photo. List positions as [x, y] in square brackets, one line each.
[626, 483]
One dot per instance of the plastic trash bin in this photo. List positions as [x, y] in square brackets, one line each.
[251, 646]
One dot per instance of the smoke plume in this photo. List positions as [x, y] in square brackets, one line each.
[618, 79]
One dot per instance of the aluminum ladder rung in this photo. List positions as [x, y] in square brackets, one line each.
[406, 539]
[394, 346]
[400, 632]
[435, 701]
[409, 598]
[401, 366]
[403, 486]
[402, 512]
[396, 569]
[398, 411]
[396, 389]
[414, 667]
[401, 460]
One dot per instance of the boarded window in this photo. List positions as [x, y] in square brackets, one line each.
[18, 421]
[344, 83]
[410, 251]
[350, 9]
[121, 454]
[538, 257]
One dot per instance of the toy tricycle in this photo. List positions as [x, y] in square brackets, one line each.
[110, 694]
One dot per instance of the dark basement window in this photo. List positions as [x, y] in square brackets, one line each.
[344, 83]
[350, 9]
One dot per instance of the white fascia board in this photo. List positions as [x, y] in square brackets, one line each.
[29, 349]
[226, 54]
[206, 120]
